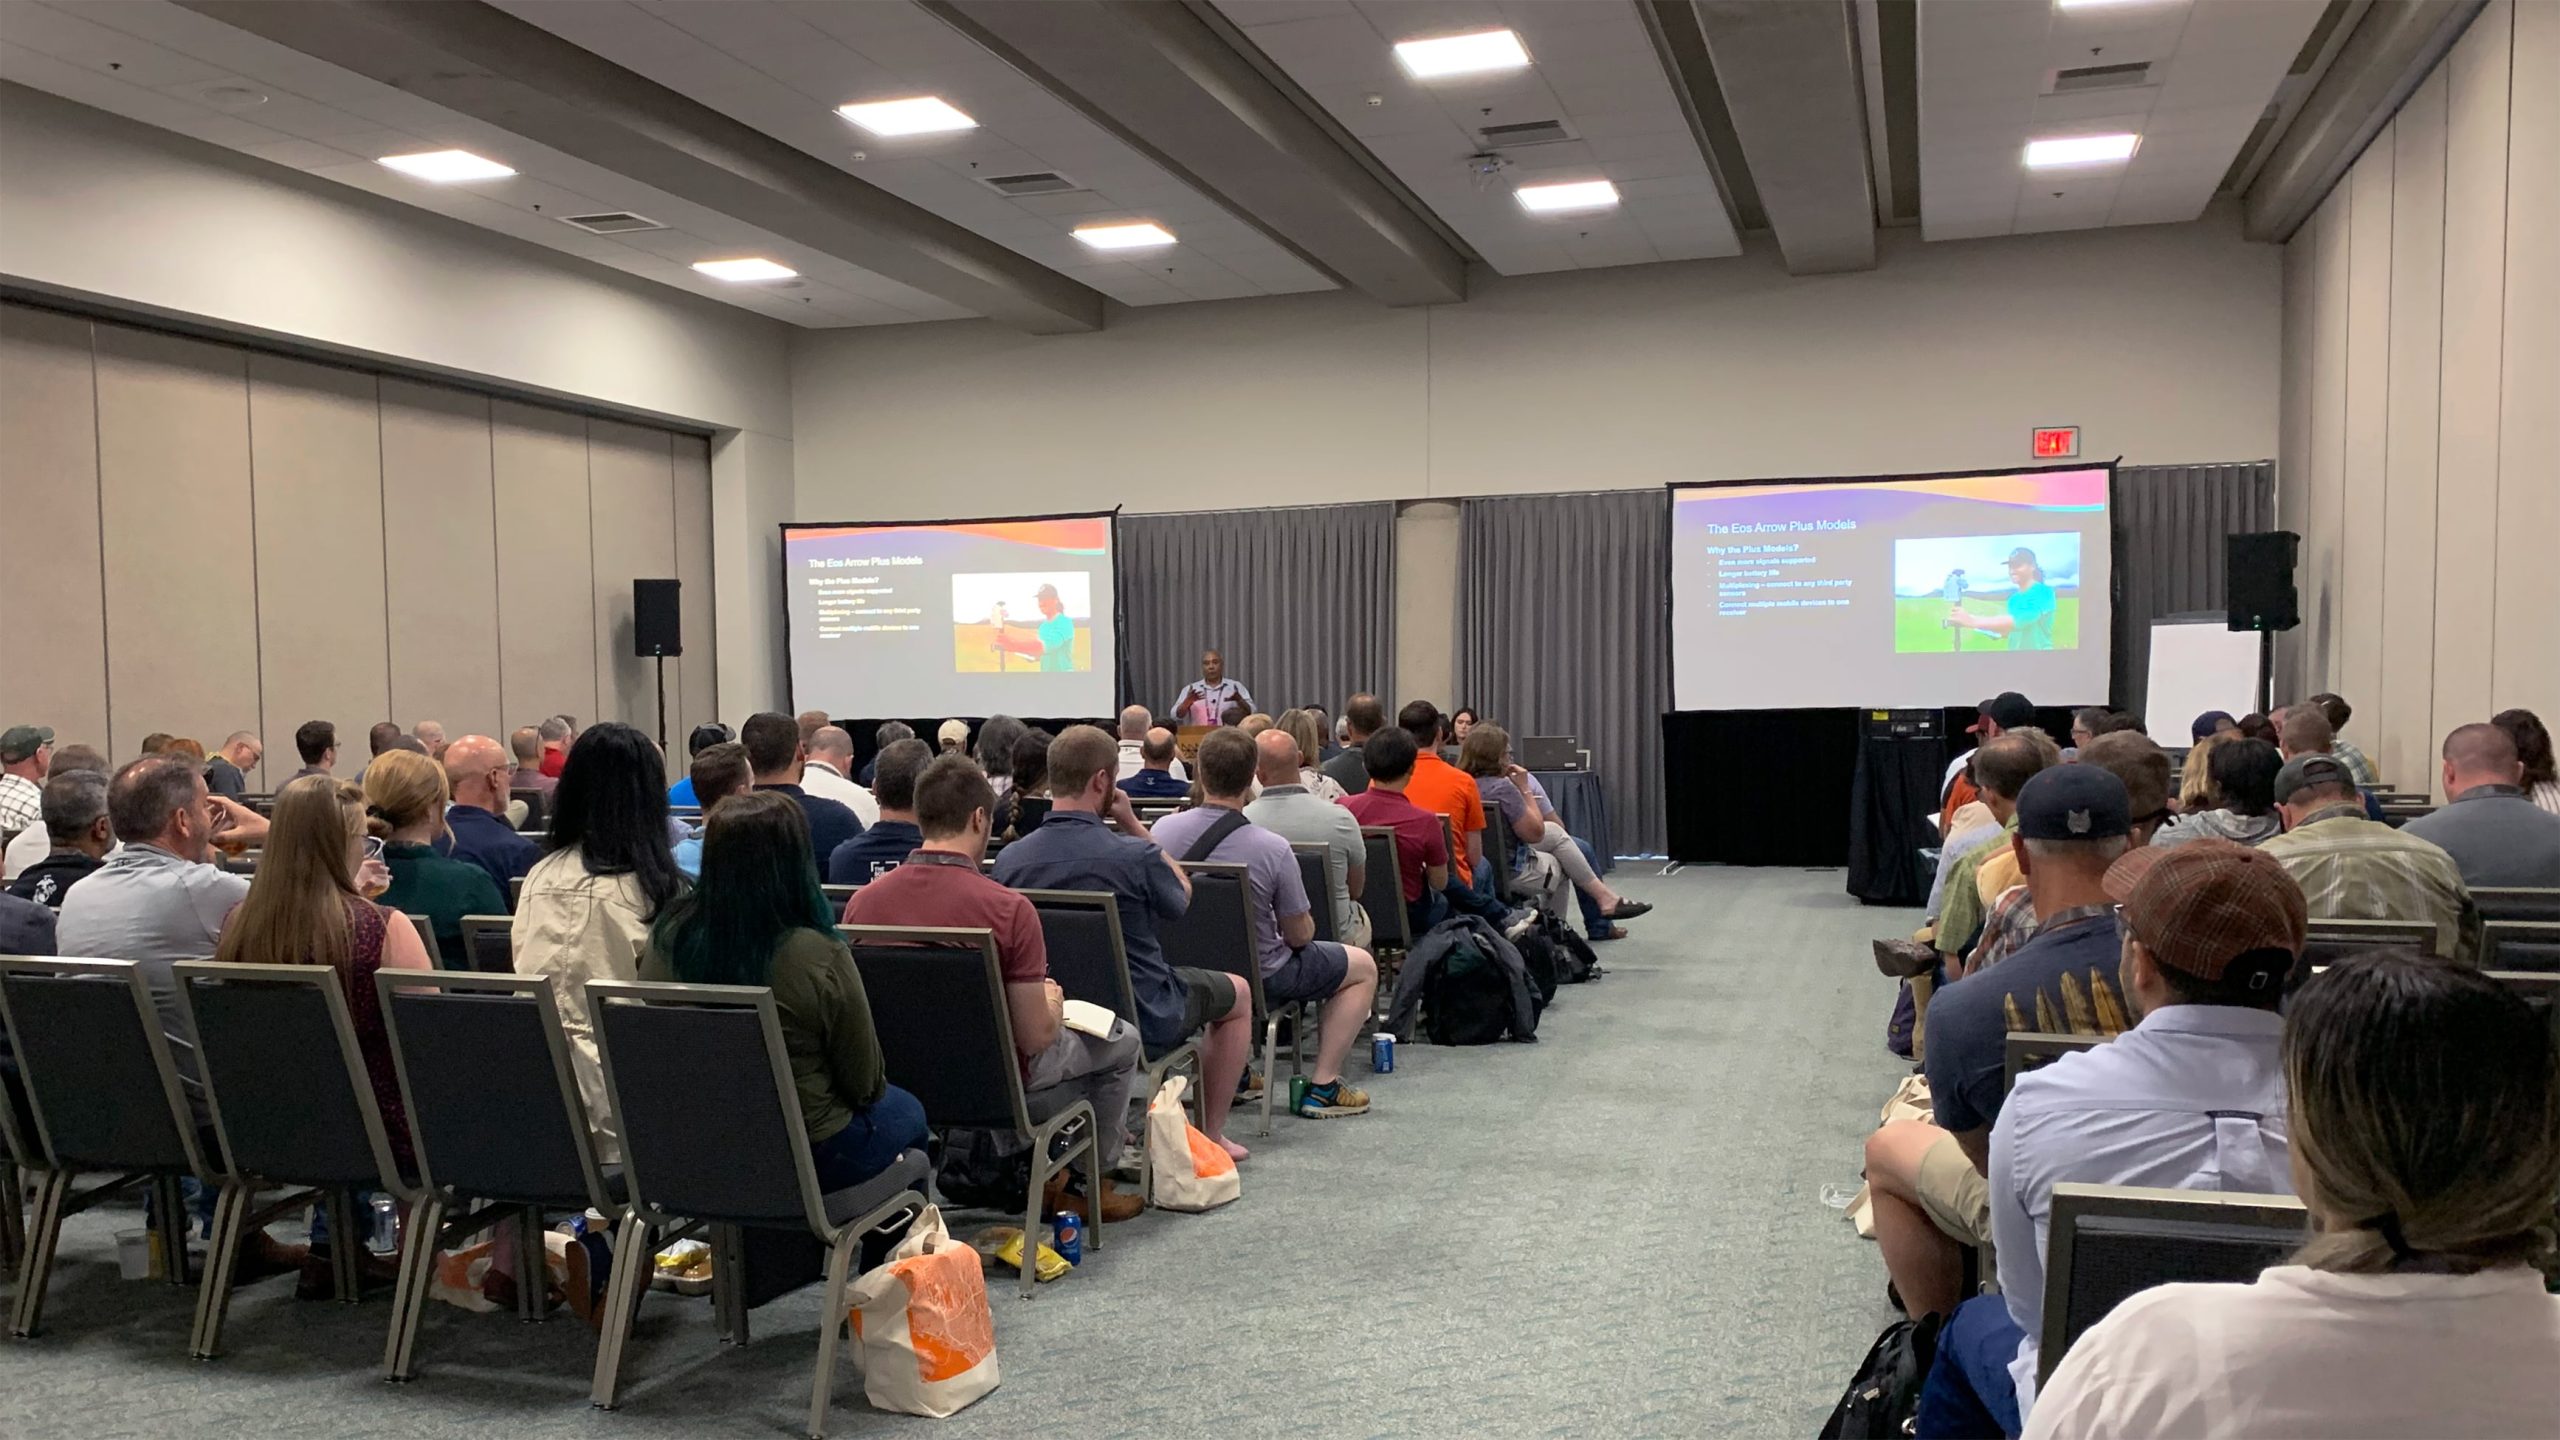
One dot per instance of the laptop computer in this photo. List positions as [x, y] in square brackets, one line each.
[1551, 752]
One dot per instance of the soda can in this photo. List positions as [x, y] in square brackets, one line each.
[1297, 1092]
[385, 1239]
[1382, 1053]
[1067, 1237]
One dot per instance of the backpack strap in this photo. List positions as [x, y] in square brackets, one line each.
[1216, 835]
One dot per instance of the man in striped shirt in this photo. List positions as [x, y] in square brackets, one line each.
[2352, 868]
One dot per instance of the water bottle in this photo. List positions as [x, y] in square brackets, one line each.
[385, 1239]
[1067, 1237]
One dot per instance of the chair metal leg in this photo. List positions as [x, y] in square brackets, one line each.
[409, 1297]
[729, 1282]
[169, 1218]
[213, 1297]
[1270, 1066]
[36, 1267]
[533, 1284]
[13, 1223]
[831, 1327]
[1093, 1168]
[1040, 1173]
[631, 1254]
[346, 1247]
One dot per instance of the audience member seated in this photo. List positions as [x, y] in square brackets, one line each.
[1362, 717]
[186, 746]
[1422, 854]
[557, 735]
[226, 773]
[810, 723]
[719, 771]
[2304, 730]
[2125, 753]
[405, 796]
[1291, 811]
[1155, 779]
[889, 733]
[939, 884]
[430, 734]
[33, 847]
[758, 918]
[882, 848]
[1927, 1180]
[1970, 827]
[2352, 868]
[2533, 751]
[2256, 727]
[2192, 1098]
[997, 740]
[2425, 1118]
[75, 821]
[2007, 713]
[1135, 724]
[25, 752]
[26, 928]
[2240, 795]
[2496, 836]
[951, 737]
[1300, 725]
[2001, 768]
[1444, 789]
[1025, 802]
[2210, 724]
[476, 771]
[1512, 798]
[1074, 850]
[2337, 712]
[828, 774]
[700, 738]
[775, 754]
[316, 741]
[526, 743]
[385, 736]
[587, 907]
[1296, 966]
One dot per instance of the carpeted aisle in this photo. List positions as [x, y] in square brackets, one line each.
[1616, 1231]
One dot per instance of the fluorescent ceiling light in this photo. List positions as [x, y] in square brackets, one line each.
[922, 115]
[749, 268]
[1573, 195]
[2080, 150]
[1125, 237]
[1462, 54]
[443, 166]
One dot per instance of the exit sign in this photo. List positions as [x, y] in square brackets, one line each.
[2061, 442]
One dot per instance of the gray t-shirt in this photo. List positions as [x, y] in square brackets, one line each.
[1297, 816]
[2496, 836]
[1271, 871]
[154, 909]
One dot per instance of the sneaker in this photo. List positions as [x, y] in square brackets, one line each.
[1250, 1087]
[1332, 1102]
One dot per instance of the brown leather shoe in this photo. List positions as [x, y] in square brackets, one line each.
[1117, 1204]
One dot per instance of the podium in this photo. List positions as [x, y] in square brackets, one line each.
[1186, 742]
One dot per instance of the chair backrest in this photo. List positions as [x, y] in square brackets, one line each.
[2032, 1049]
[838, 896]
[1087, 956]
[96, 1068]
[1216, 932]
[2516, 902]
[1449, 843]
[489, 944]
[1382, 889]
[2109, 1242]
[426, 929]
[937, 1003]
[2521, 945]
[1497, 852]
[287, 1086]
[702, 1092]
[537, 806]
[1315, 872]
[515, 893]
[2329, 941]
[2540, 990]
[1028, 812]
[494, 1109]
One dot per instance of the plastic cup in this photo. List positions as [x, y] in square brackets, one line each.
[133, 1254]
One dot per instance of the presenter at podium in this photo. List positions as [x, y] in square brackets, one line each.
[1213, 698]
[2029, 623]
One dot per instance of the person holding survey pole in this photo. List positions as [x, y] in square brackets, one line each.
[2029, 623]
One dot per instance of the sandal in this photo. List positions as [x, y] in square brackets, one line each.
[1629, 909]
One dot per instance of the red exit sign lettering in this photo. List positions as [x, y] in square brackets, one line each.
[2060, 442]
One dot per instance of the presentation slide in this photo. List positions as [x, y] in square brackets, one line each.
[1883, 592]
[970, 618]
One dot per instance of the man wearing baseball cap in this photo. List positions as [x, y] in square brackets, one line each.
[2354, 868]
[1927, 1181]
[2003, 714]
[25, 751]
[2191, 1098]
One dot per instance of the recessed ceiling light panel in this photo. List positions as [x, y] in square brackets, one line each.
[1125, 237]
[918, 115]
[2080, 150]
[744, 269]
[447, 166]
[1572, 195]
[1473, 54]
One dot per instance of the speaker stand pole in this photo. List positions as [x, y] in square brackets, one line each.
[662, 700]
[2266, 670]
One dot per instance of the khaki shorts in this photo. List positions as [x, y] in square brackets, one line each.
[1957, 1196]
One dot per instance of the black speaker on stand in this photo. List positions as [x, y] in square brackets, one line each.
[2258, 586]
[1892, 797]
[657, 631]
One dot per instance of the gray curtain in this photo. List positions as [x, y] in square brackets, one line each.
[2172, 519]
[1561, 631]
[1302, 602]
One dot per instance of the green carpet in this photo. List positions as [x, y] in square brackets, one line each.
[1615, 1231]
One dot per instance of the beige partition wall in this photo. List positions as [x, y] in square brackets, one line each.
[222, 539]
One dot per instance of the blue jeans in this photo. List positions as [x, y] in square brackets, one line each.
[1595, 921]
[1969, 1393]
[864, 1148]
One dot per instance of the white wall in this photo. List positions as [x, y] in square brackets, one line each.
[2421, 421]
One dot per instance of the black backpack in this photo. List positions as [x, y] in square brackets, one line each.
[1883, 1399]
[1466, 999]
[1574, 961]
[1544, 963]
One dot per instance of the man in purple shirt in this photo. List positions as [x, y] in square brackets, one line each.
[1295, 964]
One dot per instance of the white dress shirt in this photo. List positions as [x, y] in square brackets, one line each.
[2307, 1353]
[820, 779]
[1133, 760]
[2192, 1098]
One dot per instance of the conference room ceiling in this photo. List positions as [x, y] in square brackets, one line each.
[1282, 143]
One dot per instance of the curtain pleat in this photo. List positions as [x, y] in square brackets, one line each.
[2172, 520]
[1301, 602]
[1561, 632]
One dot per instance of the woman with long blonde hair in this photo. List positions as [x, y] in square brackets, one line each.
[1300, 725]
[405, 795]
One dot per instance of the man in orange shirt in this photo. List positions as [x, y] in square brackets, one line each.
[1444, 789]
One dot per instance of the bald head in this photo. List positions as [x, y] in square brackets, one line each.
[430, 733]
[831, 744]
[527, 742]
[1275, 758]
[2476, 755]
[476, 767]
[1134, 722]
[1156, 752]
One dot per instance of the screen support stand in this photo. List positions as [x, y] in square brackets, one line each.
[2266, 670]
[662, 700]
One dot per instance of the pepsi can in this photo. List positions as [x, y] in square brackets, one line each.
[1382, 1053]
[1067, 1237]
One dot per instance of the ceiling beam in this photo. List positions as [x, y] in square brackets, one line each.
[2390, 52]
[1161, 79]
[1789, 76]
[484, 63]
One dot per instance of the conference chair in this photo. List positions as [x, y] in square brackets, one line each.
[2329, 941]
[1497, 858]
[536, 803]
[489, 944]
[2539, 989]
[2034, 1049]
[712, 1135]
[2520, 945]
[2517, 902]
[426, 929]
[937, 1002]
[104, 1098]
[1090, 962]
[838, 896]
[1216, 933]
[1390, 924]
[293, 1107]
[1315, 873]
[2110, 1242]
[496, 1125]
[515, 893]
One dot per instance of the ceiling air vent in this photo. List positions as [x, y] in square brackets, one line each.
[2100, 77]
[1041, 182]
[612, 222]
[1526, 132]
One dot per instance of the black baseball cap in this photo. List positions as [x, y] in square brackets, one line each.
[2008, 709]
[705, 736]
[2210, 723]
[2304, 771]
[2073, 802]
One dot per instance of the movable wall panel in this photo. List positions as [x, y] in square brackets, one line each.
[546, 564]
[2406, 705]
[699, 670]
[180, 552]
[53, 650]
[631, 503]
[315, 460]
[440, 559]
[2526, 656]
[2360, 604]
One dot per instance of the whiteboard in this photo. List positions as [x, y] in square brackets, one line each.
[2197, 667]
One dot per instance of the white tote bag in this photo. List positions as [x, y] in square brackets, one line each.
[921, 1326]
[1191, 1172]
